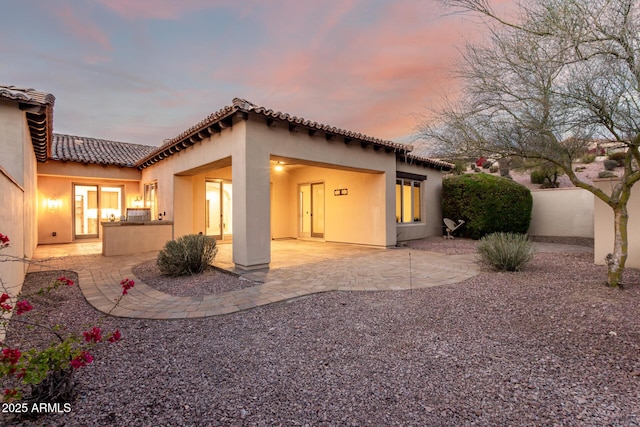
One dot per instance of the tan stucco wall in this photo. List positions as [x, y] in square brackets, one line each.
[18, 193]
[60, 220]
[127, 239]
[203, 156]
[566, 212]
[603, 225]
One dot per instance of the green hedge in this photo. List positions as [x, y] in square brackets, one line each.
[487, 204]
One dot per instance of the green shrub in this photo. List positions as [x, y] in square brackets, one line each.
[588, 158]
[610, 165]
[546, 174]
[487, 203]
[494, 168]
[190, 254]
[537, 176]
[486, 164]
[459, 167]
[505, 251]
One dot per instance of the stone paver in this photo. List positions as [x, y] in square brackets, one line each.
[298, 268]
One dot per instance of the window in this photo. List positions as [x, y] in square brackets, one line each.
[151, 198]
[408, 201]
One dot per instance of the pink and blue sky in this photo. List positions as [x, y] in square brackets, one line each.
[143, 70]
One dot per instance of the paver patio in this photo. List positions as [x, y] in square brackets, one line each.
[298, 268]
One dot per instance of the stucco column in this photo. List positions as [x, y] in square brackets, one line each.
[251, 209]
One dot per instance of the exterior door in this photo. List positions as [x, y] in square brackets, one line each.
[219, 195]
[311, 210]
[92, 204]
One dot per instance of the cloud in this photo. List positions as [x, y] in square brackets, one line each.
[159, 9]
[82, 28]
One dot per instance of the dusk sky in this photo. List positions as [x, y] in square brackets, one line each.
[143, 70]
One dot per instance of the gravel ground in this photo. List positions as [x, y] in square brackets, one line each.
[547, 346]
[209, 282]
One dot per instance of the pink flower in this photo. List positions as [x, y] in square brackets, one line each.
[10, 356]
[126, 285]
[83, 359]
[4, 298]
[63, 280]
[116, 336]
[23, 306]
[4, 240]
[94, 335]
[6, 307]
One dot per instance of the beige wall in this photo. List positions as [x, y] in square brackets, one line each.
[127, 239]
[566, 212]
[211, 153]
[18, 192]
[60, 220]
[603, 225]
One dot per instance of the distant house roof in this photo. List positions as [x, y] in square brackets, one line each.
[39, 112]
[70, 148]
[222, 118]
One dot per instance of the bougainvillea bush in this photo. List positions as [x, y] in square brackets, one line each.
[40, 369]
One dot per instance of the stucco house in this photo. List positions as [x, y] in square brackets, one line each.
[245, 174]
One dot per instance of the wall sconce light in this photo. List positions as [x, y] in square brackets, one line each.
[278, 167]
[53, 204]
[340, 192]
[138, 202]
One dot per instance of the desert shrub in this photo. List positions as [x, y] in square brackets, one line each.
[190, 254]
[588, 158]
[459, 167]
[494, 168]
[606, 174]
[505, 251]
[546, 174]
[618, 157]
[487, 203]
[537, 176]
[486, 164]
[610, 165]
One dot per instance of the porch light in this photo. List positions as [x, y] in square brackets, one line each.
[53, 204]
[278, 167]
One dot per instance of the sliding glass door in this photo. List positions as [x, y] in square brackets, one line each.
[92, 204]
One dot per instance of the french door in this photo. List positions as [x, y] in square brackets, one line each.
[218, 213]
[92, 204]
[311, 210]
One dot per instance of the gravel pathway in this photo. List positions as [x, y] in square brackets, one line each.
[547, 346]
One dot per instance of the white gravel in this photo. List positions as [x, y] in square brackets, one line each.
[547, 346]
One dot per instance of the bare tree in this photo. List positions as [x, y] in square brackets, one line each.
[544, 85]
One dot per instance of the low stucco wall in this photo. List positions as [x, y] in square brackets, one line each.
[123, 238]
[603, 225]
[566, 212]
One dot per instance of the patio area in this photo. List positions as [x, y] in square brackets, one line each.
[298, 268]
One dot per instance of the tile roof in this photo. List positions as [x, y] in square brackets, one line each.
[38, 107]
[212, 124]
[81, 149]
